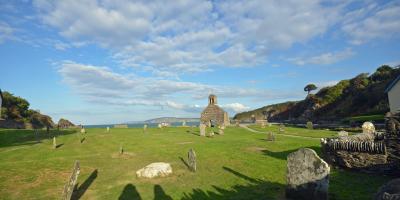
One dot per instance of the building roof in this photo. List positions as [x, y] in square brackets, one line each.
[392, 84]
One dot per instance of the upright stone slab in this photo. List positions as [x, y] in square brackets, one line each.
[192, 160]
[307, 176]
[271, 136]
[221, 130]
[108, 129]
[262, 124]
[159, 126]
[83, 130]
[184, 123]
[54, 143]
[202, 129]
[389, 191]
[309, 125]
[281, 128]
[145, 128]
[69, 187]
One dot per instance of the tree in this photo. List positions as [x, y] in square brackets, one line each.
[309, 88]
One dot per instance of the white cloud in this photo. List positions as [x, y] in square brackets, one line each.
[165, 38]
[373, 22]
[100, 85]
[323, 59]
[236, 107]
[6, 32]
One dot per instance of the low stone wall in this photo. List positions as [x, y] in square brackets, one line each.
[368, 156]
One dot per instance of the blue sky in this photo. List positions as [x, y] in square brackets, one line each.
[104, 61]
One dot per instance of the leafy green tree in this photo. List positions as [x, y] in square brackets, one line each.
[309, 88]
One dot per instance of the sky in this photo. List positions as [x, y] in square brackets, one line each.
[113, 61]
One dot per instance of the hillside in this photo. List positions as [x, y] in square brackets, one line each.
[171, 120]
[361, 95]
[15, 113]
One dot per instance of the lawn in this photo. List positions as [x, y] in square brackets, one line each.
[237, 165]
[288, 130]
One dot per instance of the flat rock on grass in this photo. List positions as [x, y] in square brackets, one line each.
[158, 169]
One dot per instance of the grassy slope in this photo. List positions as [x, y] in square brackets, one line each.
[237, 165]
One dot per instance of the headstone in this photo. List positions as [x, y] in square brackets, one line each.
[389, 191]
[159, 169]
[212, 133]
[83, 130]
[69, 187]
[271, 136]
[368, 127]
[184, 123]
[343, 134]
[309, 125]
[202, 129]
[221, 130]
[108, 129]
[307, 176]
[192, 160]
[121, 150]
[159, 126]
[145, 128]
[54, 143]
[281, 128]
[262, 124]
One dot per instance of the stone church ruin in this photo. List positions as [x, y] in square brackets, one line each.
[213, 115]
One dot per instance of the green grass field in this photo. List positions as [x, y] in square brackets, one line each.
[237, 165]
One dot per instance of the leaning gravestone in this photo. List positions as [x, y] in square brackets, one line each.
[54, 143]
[69, 187]
[202, 129]
[307, 176]
[192, 160]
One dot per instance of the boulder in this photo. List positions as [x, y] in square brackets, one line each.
[368, 127]
[343, 134]
[390, 190]
[307, 175]
[158, 169]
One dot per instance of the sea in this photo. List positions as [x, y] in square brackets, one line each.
[140, 125]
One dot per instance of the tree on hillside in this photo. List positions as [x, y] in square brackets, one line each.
[309, 88]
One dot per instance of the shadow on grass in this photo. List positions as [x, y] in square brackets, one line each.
[255, 189]
[159, 194]
[78, 192]
[193, 132]
[184, 162]
[59, 145]
[83, 139]
[283, 154]
[130, 193]
[17, 137]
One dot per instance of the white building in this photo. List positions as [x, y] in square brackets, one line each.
[393, 91]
